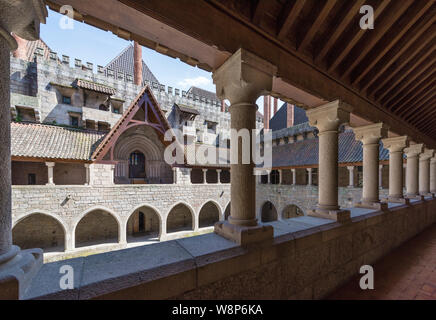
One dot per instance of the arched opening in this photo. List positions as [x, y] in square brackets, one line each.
[179, 219]
[137, 165]
[39, 231]
[227, 212]
[209, 214]
[96, 227]
[292, 211]
[269, 212]
[143, 224]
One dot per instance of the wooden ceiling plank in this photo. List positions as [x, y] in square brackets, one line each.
[420, 103]
[409, 84]
[350, 44]
[260, 11]
[419, 38]
[290, 19]
[403, 73]
[328, 6]
[383, 26]
[344, 22]
[429, 120]
[393, 38]
[417, 92]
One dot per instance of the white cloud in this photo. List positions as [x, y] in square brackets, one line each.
[195, 82]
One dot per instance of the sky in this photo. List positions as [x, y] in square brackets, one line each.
[90, 44]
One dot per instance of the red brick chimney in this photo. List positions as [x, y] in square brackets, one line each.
[21, 52]
[289, 115]
[137, 57]
[275, 106]
[266, 111]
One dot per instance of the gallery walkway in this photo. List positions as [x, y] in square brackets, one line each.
[409, 272]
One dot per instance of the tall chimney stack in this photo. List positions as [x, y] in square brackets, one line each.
[266, 111]
[137, 57]
[290, 115]
[275, 106]
[21, 52]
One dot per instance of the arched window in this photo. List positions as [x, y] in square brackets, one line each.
[137, 165]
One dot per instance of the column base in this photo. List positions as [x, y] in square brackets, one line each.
[243, 235]
[380, 206]
[415, 197]
[427, 194]
[339, 215]
[396, 200]
[17, 268]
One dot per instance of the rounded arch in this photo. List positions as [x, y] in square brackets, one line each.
[268, 212]
[209, 214]
[40, 229]
[97, 225]
[177, 218]
[144, 221]
[291, 210]
[227, 211]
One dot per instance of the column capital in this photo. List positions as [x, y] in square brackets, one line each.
[426, 155]
[371, 134]
[243, 77]
[219, 170]
[414, 150]
[396, 144]
[87, 165]
[21, 18]
[330, 116]
[309, 169]
[50, 164]
[433, 160]
[205, 170]
[350, 168]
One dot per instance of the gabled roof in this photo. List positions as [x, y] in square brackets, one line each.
[32, 140]
[124, 62]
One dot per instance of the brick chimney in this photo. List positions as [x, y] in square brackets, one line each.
[21, 52]
[266, 111]
[275, 106]
[137, 57]
[223, 106]
[290, 115]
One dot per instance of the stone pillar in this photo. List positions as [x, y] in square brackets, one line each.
[242, 79]
[137, 64]
[380, 176]
[218, 172]
[17, 267]
[204, 176]
[269, 177]
[433, 176]
[309, 175]
[266, 111]
[370, 136]
[174, 175]
[424, 172]
[50, 166]
[412, 153]
[327, 119]
[275, 106]
[350, 176]
[87, 177]
[396, 148]
[280, 176]
[294, 176]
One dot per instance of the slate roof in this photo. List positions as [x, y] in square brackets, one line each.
[203, 93]
[31, 140]
[279, 120]
[305, 152]
[124, 62]
[94, 86]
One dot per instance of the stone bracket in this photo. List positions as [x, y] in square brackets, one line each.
[244, 235]
[341, 215]
[380, 206]
[397, 200]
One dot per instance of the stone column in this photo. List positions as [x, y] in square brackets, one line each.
[424, 172]
[17, 267]
[280, 176]
[204, 176]
[327, 119]
[412, 153]
[174, 175]
[50, 166]
[218, 172]
[269, 177]
[294, 176]
[87, 178]
[309, 175]
[396, 148]
[380, 176]
[433, 176]
[350, 176]
[370, 136]
[242, 79]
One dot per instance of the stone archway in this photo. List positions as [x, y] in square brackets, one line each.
[269, 212]
[209, 215]
[227, 212]
[143, 223]
[292, 211]
[38, 230]
[96, 227]
[180, 218]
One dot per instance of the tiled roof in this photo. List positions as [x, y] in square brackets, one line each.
[305, 152]
[185, 108]
[32, 140]
[293, 131]
[31, 48]
[94, 86]
[124, 62]
[203, 93]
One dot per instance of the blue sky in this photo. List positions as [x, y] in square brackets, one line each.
[91, 44]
